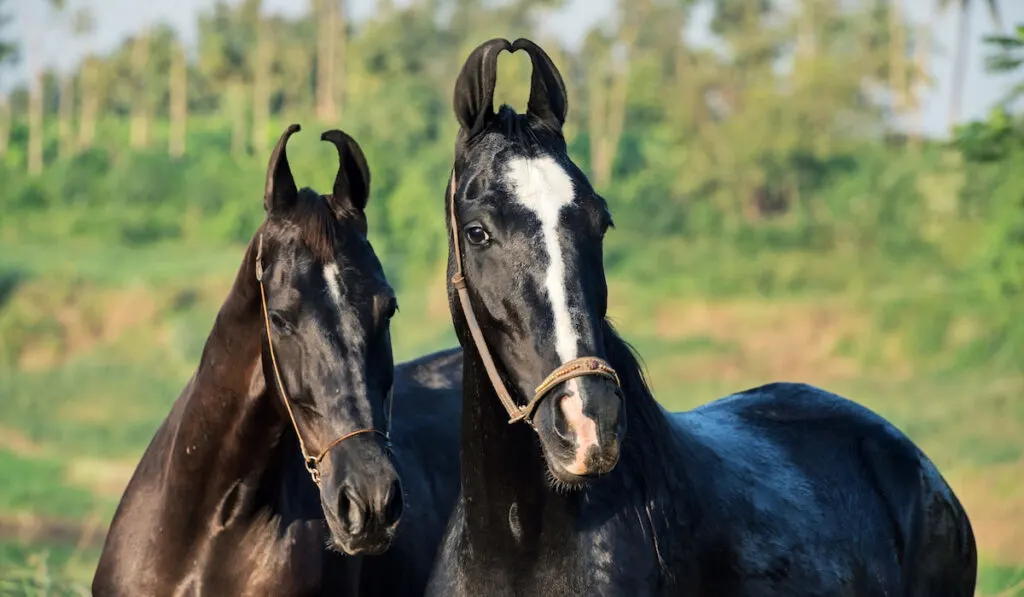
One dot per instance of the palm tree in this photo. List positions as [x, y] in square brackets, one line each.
[178, 99]
[962, 41]
[8, 54]
[140, 98]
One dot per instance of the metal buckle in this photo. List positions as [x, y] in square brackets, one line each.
[311, 468]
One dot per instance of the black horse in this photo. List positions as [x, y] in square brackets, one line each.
[785, 489]
[270, 475]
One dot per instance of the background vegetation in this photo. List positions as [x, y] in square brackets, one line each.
[772, 223]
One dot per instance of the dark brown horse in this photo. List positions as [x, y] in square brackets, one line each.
[594, 489]
[271, 475]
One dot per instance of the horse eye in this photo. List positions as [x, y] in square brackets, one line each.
[280, 322]
[391, 309]
[476, 235]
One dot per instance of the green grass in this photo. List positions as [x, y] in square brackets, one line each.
[118, 265]
[34, 571]
[1000, 581]
[36, 485]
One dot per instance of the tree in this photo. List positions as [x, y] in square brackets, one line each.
[79, 23]
[140, 95]
[8, 56]
[178, 108]
[88, 82]
[261, 89]
[962, 44]
[609, 88]
[226, 52]
[1008, 57]
[327, 33]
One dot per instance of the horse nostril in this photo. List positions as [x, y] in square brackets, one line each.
[394, 503]
[351, 509]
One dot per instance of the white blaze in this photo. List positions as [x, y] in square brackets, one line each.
[543, 187]
[350, 327]
[331, 277]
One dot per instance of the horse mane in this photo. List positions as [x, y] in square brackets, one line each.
[521, 131]
[647, 449]
[317, 224]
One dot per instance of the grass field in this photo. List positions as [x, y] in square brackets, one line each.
[98, 341]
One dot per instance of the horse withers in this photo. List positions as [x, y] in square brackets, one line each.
[575, 481]
[272, 475]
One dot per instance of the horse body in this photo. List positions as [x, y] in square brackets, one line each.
[269, 476]
[258, 528]
[785, 489]
[794, 490]
[220, 503]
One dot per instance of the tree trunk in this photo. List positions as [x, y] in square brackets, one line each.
[806, 38]
[959, 66]
[616, 100]
[598, 116]
[261, 88]
[326, 32]
[897, 59]
[140, 99]
[35, 124]
[922, 74]
[237, 115]
[340, 88]
[179, 101]
[89, 103]
[65, 110]
[5, 124]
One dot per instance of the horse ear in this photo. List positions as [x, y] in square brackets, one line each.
[474, 89]
[549, 102]
[280, 191]
[352, 183]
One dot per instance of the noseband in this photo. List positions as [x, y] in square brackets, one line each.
[573, 369]
[312, 462]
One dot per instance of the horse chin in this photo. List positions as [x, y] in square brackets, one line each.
[566, 482]
[562, 480]
[565, 473]
[359, 546]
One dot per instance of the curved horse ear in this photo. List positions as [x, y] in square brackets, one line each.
[352, 183]
[474, 89]
[280, 192]
[549, 102]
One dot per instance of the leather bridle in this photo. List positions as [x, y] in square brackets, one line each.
[312, 463]
[575, 368]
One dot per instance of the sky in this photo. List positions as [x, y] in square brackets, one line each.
[116, 19]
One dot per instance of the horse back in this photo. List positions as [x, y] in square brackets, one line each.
[809, 471]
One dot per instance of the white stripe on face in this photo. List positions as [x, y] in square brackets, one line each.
[351, 330]
[331, 277]
[543, 187]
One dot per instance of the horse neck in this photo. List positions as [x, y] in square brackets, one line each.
[227, 424]
[502, 464]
